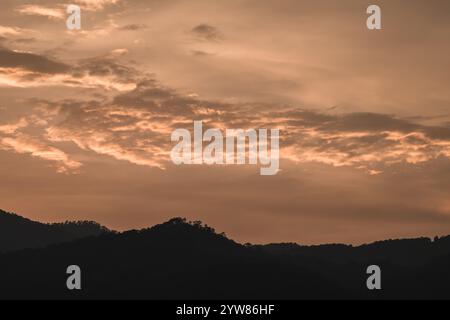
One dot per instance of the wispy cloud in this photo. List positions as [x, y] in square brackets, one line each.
[135, 127]
[96, 4]
[135, 122]
[11, 31]
[55, 13]
[13, 127]
[25, 69]
[21, 143]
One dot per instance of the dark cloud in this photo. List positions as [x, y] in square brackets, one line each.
[132, 27]
[105, 66]
[31, 61]
[369, 122]
[200, 53]
[99, 72]
[207, 33]
[373, 122]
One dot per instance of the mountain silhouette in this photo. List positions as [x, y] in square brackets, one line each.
[17, 232]
[188, 260]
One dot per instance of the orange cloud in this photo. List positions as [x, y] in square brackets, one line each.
[25, 144]
[11, 128]
[55, 13]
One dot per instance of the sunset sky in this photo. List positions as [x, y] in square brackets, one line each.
[364, 116]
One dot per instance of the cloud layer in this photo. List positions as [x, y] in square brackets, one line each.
[136, 125]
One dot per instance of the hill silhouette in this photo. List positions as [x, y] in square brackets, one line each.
[188, 260]
[17, 232]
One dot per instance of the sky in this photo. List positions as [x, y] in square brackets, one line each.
[364, 115]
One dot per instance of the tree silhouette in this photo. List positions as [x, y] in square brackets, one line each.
[182, 259]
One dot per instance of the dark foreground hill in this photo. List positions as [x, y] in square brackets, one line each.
[17, 232]
[181, 260]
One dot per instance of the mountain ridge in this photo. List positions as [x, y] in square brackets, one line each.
[179, 259]
[199, 224]
[18, 232]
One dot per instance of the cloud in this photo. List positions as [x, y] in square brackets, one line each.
[135, 126]
[127, 134]
[25, 69]
[11, 31]
[207, 32]
[31, 62]
[58, 11]
[11, 128]
[54, 13]
[95, 5]
[24, 40]
[21, 143]
[135, 122]
[132, 27]
[16, 36]
[363, 140]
